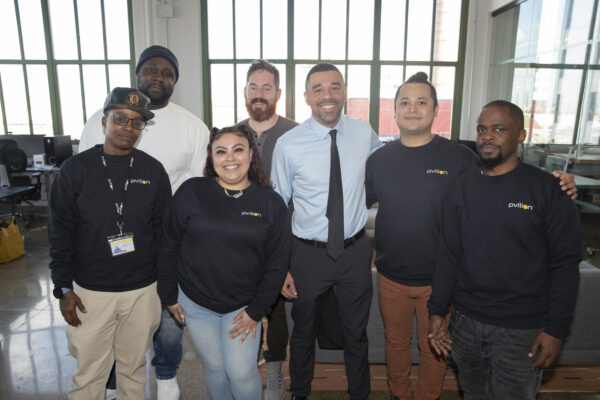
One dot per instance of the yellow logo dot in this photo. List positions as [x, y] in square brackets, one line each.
[143, 182]
[525, 206]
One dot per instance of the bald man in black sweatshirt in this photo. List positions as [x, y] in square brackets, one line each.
[508, 265]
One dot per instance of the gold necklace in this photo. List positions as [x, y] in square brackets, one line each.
[236, 195]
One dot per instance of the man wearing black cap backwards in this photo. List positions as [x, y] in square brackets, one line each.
[178, 140]
[105, 214]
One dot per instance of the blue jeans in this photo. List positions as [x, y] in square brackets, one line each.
[231, 370]
[492, 361]
[167, 343]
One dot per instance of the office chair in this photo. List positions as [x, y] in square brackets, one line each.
[14, 164]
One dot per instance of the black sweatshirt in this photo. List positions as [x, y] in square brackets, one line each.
[410, 184]
[224, 252]
[510, 251]
[82, 214]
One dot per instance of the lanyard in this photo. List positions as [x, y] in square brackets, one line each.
[118, 204]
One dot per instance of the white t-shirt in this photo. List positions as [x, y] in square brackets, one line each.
[175, 137]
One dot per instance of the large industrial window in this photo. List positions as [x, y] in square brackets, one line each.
[376, 44]
[58, 60]
[545, 58]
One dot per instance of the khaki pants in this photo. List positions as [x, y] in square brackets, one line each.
[398, 304]
[117, 326]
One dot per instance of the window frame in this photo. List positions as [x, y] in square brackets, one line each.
[375, 63]
[52, 63]
[584, 67]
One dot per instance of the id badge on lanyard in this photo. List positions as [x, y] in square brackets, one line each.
[122, 243]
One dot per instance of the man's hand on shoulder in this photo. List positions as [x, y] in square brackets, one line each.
[68, 308]
[567, 183]
[549, 349]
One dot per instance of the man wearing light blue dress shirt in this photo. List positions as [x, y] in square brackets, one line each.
[301, 172]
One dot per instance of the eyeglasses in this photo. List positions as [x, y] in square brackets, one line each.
[122, 120]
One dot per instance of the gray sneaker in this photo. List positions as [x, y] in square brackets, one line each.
[275, 389]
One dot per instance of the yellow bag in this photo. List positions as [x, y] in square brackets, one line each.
[11, 241]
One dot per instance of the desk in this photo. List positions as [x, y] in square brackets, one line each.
[583, 182]
[48, 175]
[13, 192]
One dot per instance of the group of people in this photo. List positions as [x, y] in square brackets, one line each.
[270, 209]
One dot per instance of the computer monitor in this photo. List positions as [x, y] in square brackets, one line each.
[57, 149]
[30, 144]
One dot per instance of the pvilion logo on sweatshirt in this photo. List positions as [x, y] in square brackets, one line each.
[437, 172]
[141, 181]
[251, 214]
[522, 206]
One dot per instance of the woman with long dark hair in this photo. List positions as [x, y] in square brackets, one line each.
[223, 261]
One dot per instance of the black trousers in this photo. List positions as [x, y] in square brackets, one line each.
[277, 333]
[350, 276]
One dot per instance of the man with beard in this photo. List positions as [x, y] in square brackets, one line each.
[508, 264]
[408, 230]
[261, 94]
[177, 139]
[320, 166]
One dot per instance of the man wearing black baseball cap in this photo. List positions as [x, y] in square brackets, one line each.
[104, 219]
[178, 139]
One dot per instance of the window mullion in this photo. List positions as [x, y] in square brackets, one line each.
[105, 46]
[261, 28]
[375, 68]
[405, 40]
[2, 109]
[290, 66]
[51, 66]
[459, 71]
[78, 39]
[346, 49]
[431, 49]
[234, 63]
[588, 53]
[23, 66]
[131, 46]
[320, 30]
[206, 86]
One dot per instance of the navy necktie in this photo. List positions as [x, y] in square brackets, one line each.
[335, 204]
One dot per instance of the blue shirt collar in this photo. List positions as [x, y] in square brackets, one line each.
[322, 131]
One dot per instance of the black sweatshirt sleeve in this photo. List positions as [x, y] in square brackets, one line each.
[369, 181]
[62, 227]
[163, 199]
[448, 257]
[277, 249]
[173, 229]
[564, 240]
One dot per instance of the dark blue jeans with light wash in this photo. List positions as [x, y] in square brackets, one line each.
[168, 349]
[492, 361]
[167, 343]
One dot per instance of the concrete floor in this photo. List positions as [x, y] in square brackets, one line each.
[35, 361]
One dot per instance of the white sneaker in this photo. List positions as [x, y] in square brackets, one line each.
[111, 394]
[167, 389]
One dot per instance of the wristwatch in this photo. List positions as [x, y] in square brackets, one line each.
[58, 293]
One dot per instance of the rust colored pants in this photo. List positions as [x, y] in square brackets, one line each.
[398, 304]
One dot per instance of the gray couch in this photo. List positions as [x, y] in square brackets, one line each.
[581, 347]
